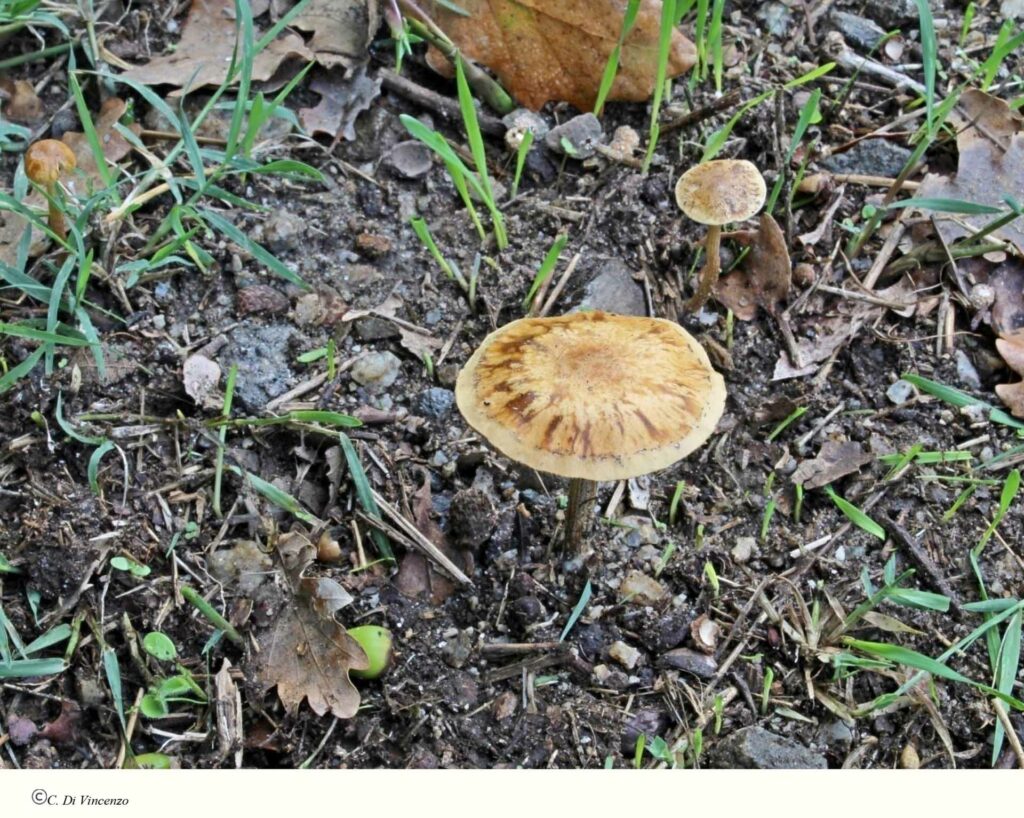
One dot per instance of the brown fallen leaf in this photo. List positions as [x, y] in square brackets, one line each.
[64, 728]
[204, 51]
[1011, 347]
[115, 147]
[834, 460]
[990, 167]
[308, 655]
[342, 29]
[201, 377]
[20, 103]
[766, 276]
[342, 98]
[544, 50]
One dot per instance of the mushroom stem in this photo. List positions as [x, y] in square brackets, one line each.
[54, 216]
[709, 273]
[581, 494]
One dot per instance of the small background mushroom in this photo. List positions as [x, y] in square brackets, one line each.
[715, 193]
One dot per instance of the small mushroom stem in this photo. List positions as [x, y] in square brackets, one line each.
[709, 273]
[54, 216]
[582, 494]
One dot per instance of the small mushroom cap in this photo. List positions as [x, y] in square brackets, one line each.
[47, 159]
[721, 191]
[592, 395]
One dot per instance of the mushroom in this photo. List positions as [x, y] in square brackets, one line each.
[45, 162]
[591, 396]
[716, 193]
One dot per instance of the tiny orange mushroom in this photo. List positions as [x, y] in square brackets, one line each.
[46, 161]
[591, 396]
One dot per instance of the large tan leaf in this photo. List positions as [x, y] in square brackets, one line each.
[204, 51]
[342, 29]
[990, 167]
[545, 50]
[308, 655]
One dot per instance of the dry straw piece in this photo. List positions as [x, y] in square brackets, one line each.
[591, 396]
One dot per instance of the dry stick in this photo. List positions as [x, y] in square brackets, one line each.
[1011, 733]
[730, 100]
[511, 648]
[888, 248]
[815, 182]
[416, 536]
[445, 106]
[562, 281]
[852, 61]
[921, 559]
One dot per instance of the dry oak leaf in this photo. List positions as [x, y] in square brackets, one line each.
[342, 99]
[342, 29]
[20, 102]
[767, 274]
[1011, 347]
[115, 147]
[544, 50]
[308, 655]
[204, 51]
[990, 167]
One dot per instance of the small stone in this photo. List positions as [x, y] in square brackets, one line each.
[282, 231]
[976, 413]
[640, 589]
[873, 157]
[455, 652]
[835, 734]
[612, 678]
[261, 298]
[377, 371]
[900, 392]
[965, 370]
[981, 296]
[744, 549]
[909, 758]
[518, 122]
[575, 137]
[411, 159]
[614, 290]
[776, 17]
[472, 518]
[21, 731]
[647, 722]
[373, 328]
[891, 14]
[528, 610]
[505, 706]
[758, 749]
[690, 661]
[859, 32]
[434, 403]
[626, 655]
[373, 245]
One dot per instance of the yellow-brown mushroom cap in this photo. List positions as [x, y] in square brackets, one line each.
[47, 160]
[592, 395]
[721, 191]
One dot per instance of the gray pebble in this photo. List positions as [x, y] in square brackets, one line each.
[859, 32]
[435, 403]
[899, 392]
[376, 371]
[581, 133]
[756, 748]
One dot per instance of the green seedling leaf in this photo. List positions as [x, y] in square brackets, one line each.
[159, 646]
[273, 494]
[546, 268]
[135, 568]
[577, 612]
[924, 600]
[855, 515]
[1010, 488]
[150, 761]
[6, 567]
[112, 670]
[152, 706]
[990, 605]
[257, 251]
[54, 636]
[944, 206]
[93, 468]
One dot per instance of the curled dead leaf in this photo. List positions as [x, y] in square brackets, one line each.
[766, 276]
[544, 50]
[203, 53]
[1011, 347]
[308, 655]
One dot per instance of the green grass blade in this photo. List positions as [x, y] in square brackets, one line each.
[577, 611]
[260, 253]
[93, 468]
[273, 494]
[365, 495]
[25, 668]
[1007, 666]
[959, 399]
[855, 515]
[929, 55]
[547, 266]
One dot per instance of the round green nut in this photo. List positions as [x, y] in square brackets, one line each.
[376, 642]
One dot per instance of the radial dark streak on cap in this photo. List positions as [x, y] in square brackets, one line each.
[592, 395]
